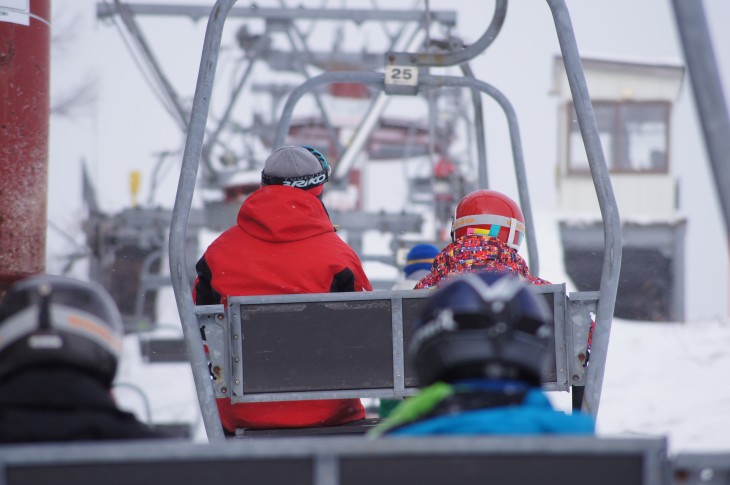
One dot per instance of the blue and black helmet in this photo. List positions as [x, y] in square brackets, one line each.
[482, 325]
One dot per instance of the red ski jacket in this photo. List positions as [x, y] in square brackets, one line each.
[283, 243]
[474, 253]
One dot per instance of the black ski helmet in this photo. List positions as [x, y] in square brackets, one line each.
[482, 325]
[58, 321]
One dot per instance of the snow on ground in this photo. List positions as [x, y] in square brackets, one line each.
[666, 379]
[159, 393]
[661, 378]
[669, 379]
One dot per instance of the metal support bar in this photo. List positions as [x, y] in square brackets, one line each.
[471, 51]
[606, 201]
[377, 80]
[480, 135]
[365, 128]
[581, 306]
[317, 98]
[517, 155]
[399, 368]
[260, 46]
[357, 16]
[707, 89]
[181, 212]
[181, 116]
[370, 78]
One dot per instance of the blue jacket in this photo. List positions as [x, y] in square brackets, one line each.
[533, 415]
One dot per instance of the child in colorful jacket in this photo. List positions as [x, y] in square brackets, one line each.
[486, 234]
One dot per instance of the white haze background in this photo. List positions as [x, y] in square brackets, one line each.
[661, 379]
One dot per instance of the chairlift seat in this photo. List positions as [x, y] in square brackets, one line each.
[352, 345]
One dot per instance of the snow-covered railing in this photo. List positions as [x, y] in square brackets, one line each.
[345, 461]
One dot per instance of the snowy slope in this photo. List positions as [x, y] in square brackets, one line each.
[669, 379]
[661, 378]
[167, 389]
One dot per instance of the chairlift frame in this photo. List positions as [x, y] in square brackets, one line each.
[127, 12]
[589, 130]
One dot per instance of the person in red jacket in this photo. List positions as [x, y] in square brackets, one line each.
[283, 243]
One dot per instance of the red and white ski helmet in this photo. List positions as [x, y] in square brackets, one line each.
[489, 213]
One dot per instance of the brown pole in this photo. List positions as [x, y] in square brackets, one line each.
[24, 115]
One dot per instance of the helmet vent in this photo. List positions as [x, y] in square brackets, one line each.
[45, 341]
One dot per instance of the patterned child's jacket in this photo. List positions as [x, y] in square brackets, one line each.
[476, 253]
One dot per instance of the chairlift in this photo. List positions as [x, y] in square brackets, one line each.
[403, 76]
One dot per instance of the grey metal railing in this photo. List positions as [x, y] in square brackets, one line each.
[606, 201]
[346, 460]
[480, 135]
[469, 52]
[707, 88]
[181, 214]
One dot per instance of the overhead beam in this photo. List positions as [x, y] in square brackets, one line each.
[447, 18]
